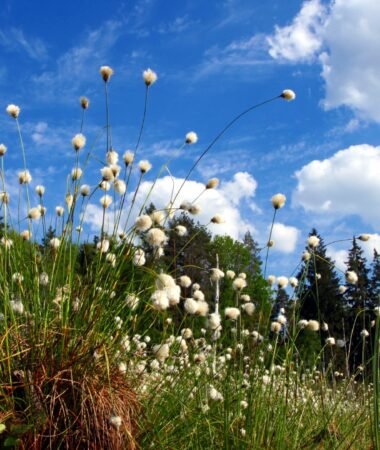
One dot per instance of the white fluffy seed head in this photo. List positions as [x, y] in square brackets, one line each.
[275, 327]
[112, 157]
[145, 166]
[313, 241]
[330, 341]
[191, 306]
[24, 177]
[185, 281]
[120, 187]
[181, 230]
[278, 201]
[302, 323]
[78, 141]
[105, 186]
[44, 279]
[107, 174]
[116, 421]
[248, 308]
[106, 201]
[217, 219]
[230, 274]
[103, 245]
[191, 137]
[306, 256]
[288, 94]
[85, 190]
[212, 183]
[3, 149]
[239, 283]
[156, 237]
[364, 237]
[293, 282]
[351, 277]
[312, 325]
[13, 110]
[40, 190]
[55, 243]
[26, 235]
[34, 213]
[194, 209]
[76, 173]
[216, 274]
[282, 282]
[160, 300]
[115, 169]
[214, 321]
[84, 102]
[232, 313]
[59, 211]
[106, 72]
[128, 157]
[143, 223]
[69, 199]
[139, 257]
[149, 77]
[164, 281]
[4, 197]
[364, 333]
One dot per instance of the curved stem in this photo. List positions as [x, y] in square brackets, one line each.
[270, 235]
[220, 134]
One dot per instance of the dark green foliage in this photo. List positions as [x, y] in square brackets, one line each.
[359, 305]
[319, 291]
[319, 300]
[375, 279]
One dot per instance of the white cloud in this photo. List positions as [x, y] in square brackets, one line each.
[370, 246]
[213, 201]
[243, 185]
[344, 38]
[285, 237]
[348, 183]
[237, 55]
[351, 64]
[14, 39]
[178, 25]
[74, 66]
[339, 257]
[301, 40]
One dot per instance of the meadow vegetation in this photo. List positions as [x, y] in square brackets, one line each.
[156, 334]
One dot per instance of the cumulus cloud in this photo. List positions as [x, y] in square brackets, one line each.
[339, 257]
[226, 201]
[243, 185]
[344, 38]
[369, 246]
[348, 183]
[285, 237]
[352, 37]
[300, 40]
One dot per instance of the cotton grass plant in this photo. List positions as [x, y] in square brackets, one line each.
[90, 356]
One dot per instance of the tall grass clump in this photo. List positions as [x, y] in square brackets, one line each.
[111, 344]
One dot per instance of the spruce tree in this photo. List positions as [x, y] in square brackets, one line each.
[319, 289]
[359, 303]
[375, 279]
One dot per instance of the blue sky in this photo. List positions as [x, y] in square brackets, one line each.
[213, 60]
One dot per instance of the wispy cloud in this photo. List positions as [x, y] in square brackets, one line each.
[73, 67]
[15, 40]
[237, 55]
[178, 25]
